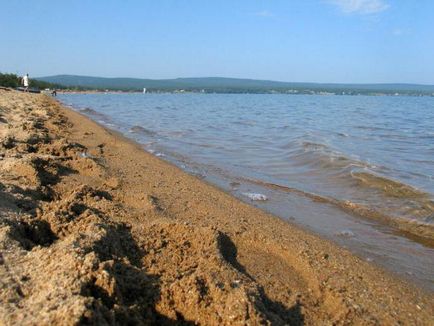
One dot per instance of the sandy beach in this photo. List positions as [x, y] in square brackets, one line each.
[94, 230]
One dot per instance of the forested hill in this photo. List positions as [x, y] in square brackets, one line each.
[231, 85]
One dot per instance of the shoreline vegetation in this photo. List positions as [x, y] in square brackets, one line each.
[13, 81]
[95, 230]
[212, 85]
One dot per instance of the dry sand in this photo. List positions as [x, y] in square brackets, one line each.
[93, 230]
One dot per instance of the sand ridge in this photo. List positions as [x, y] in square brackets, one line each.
[93, 230]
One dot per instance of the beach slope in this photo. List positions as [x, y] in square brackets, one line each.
[94, 230]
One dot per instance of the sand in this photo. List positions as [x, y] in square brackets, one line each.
[94, 230]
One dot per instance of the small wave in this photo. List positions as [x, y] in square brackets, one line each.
[250, 123]
[89, 111]
[420, 229]
[317, 155]
[372, 128]
[141, 130]
[389, 187]
[342, 134]
[177, 133]
[346, 233]
[327, 161]
[311, 146]
[102, 118]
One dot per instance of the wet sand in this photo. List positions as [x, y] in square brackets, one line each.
[95, 230]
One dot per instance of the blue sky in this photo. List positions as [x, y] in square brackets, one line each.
[350, 41]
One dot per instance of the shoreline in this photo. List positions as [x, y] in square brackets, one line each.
[369, 232]
[206, 250]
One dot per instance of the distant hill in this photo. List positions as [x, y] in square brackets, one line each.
[231, 85]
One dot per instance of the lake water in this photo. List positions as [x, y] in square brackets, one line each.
[358, 170]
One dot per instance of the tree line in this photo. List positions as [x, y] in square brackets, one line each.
[14, 81]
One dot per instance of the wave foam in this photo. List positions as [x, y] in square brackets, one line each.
[255, 196]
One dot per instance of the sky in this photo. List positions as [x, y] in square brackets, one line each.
[336, 41]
